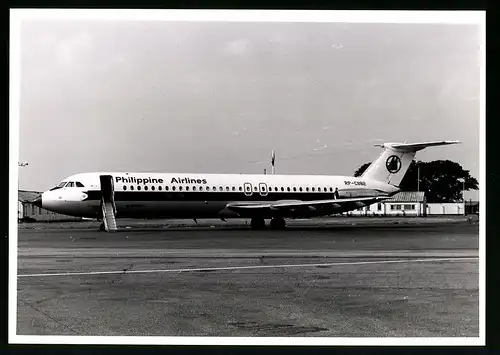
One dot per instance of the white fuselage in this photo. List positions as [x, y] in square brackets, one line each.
[166, 195]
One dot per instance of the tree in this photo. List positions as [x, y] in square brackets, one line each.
[442, 180]
[361, 169]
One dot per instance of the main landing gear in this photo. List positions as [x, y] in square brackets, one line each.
[258, 223]
[278, 223]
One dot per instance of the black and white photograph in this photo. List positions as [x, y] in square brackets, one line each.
[247, 177]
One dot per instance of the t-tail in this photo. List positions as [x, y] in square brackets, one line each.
[395, 160]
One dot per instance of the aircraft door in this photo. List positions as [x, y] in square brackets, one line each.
[248, 189]
[263, 189]
[107, 190]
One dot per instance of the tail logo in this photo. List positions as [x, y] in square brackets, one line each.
[393, 164]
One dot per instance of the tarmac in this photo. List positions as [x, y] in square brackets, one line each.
[338, 277]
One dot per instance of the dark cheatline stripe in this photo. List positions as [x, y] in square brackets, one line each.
[221, 196]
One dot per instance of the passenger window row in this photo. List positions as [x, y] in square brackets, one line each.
[227, 188]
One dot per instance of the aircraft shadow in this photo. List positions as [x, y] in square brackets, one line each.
[292, 229]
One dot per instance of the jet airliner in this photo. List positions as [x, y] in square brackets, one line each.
[108, 196]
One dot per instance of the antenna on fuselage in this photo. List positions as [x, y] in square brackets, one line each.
[273, 158]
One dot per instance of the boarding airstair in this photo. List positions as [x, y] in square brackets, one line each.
[108, 203]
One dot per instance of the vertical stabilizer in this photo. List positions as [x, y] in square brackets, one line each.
[392, 165]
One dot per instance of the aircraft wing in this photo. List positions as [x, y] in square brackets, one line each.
[334, 205]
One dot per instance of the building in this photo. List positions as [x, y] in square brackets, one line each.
[452, 208]
[411, 203]
[406, 203]
[28, 212]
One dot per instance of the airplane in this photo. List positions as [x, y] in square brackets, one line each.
[108, 196]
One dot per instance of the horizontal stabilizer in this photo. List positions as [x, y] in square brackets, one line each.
[414, 147]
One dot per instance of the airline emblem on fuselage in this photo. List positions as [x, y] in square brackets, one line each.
[393, 164]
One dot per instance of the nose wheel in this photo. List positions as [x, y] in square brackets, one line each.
[102, 228]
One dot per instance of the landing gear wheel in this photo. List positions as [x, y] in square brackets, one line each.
[102, 227]
[258, 223]
[278, 223]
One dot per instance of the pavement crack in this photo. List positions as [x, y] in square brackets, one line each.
[49, 316]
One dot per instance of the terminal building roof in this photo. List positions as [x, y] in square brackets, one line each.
[27, 196]
[408, 196]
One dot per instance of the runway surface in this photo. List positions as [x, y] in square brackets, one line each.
[341, 280]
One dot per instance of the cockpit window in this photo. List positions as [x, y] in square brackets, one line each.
[61, 185]
[79, 184]
[70, 184]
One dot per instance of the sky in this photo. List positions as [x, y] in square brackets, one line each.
[218, 97]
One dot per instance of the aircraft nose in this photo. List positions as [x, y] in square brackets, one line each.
[38, 201]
